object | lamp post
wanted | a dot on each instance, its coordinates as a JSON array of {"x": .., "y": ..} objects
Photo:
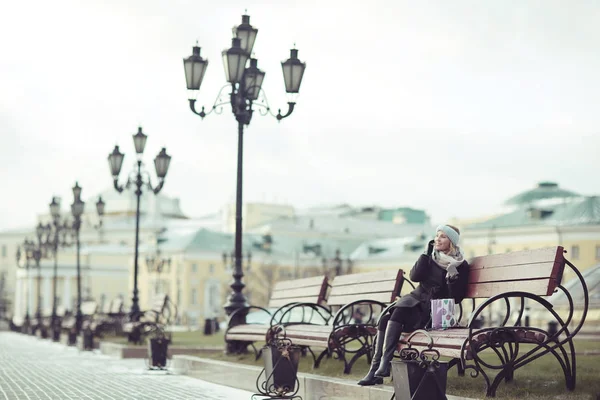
[
  {"x": 19, "y": 256},
  {"x": 245, "y": 81},
  {"x": 77, "y": 209},
  {"x": 33, "y": 251},
  {"x": 57, "y": 237},
  {"x": 100, "y": 210},
  {"x": 161, "y": 164}
]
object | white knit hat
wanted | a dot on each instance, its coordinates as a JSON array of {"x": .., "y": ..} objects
[{"x": 451, "y": 233}]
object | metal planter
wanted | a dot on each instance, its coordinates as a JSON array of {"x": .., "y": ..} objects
[
  {"x": 280, "y": 379},
  {"x": 418, "y": 375},
  {"x": 157, "y": 352}
]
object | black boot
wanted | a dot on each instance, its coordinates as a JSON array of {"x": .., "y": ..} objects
[
  {"x": 370, "y": 378},
  {"x": 392, "y": 334}
]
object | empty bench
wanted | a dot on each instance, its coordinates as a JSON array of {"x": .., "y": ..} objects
[
  {"x": 285, "y": 293},
  {"x": 510, "y": 283},
  {"x": 161, "y": 314},
  {"x": 347, "y": 325}
]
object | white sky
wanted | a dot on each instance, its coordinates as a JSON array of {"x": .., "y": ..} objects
[{"x": 447, "y": 106}]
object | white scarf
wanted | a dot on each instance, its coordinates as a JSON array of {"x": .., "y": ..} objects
[{"x": 449, "y": 262}]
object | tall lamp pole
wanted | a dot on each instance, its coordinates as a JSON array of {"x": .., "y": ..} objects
[
  {"x": 25, "y": 266},
  {"x": 77, "y": 209},
  {"x": 57, "y": 237},
  {"x": 140, "y": 178},
  {"x": 245, "y": 81}
]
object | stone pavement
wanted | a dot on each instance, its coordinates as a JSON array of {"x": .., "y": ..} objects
[{"x": 32, "y": 368}]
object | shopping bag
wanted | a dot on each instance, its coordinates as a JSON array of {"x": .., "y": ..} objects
[{"x": 442, "y": 314}]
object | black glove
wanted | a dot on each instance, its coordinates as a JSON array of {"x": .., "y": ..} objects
[{"x": 430, "y": 247}]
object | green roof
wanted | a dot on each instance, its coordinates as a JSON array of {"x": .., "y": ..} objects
[
  {"x": 411, "y": 215},
  {"x": 543, "y": 191},
  {"x": 581, "y": 211},
  {"x": 205, "y": 240}
]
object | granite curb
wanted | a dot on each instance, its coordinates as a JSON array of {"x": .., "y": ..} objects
[{"x": 312, "y": 387}]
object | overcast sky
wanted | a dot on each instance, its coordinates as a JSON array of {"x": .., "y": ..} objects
[{"x": 451, "y": 107}]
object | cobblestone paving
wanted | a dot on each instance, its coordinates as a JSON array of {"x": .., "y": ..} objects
[{"x": 32, "y": 368}]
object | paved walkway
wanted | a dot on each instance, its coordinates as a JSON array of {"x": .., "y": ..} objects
[{"x": 32, "y": 368}]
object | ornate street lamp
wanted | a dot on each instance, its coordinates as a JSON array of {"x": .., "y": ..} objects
[
  {"x": 161, "y": 164},
  {"x": 245, "y": 82},
  {"x": 77, "y": 209},
  {"x": 57, "y": 237},
  {"x": 33, "y": 251},
  {"x": 100, "y": 210},
  {"x": 57, "y": 233},
  {"x": 19, "y": 256}
]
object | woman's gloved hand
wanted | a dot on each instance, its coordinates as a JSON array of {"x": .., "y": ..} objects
[{"x": 430, "y": 247}]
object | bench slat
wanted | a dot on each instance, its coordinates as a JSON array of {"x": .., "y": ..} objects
[
  {"x": 523, "y": 257},
  {"x": 512, "y": 272},
  {"x": 377, "y": 276},
  {"x": 296, "y": 283},
  {"x": 276, "y": 303},
  {"x": 244, "y": 337},
  {"x": 366, "y": 288},
  {"x": 345, "y": 299},
  {"x": 538, "y": 287},
  {"x": 297, "y": 292}
]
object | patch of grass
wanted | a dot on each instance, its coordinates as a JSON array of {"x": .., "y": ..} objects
[
  {"x": 189, "y": 339},
  {"x": 541, "y": 379}
]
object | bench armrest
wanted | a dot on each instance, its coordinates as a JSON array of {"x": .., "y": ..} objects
[
  {"x": 505, "y": 296},
  {"x": 345, "y": 315},
  {"x": 244, "y": 310},
  {"x": 304, "y": 313}
]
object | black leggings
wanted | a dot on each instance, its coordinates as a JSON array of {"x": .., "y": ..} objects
[{"x": 403, "y": 315}]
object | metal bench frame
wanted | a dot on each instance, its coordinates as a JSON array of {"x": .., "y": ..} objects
[
  {"x": 163, "y": 313},
  {"x": 239, "y": 336},
  {"x": 336, "y": 329}
]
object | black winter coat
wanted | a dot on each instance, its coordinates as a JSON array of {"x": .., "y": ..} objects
[{"x": 432, "y": 285}]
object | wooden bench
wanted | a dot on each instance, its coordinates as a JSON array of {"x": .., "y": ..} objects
[
  {"x": 109, "y": 319},
  {"x": 158, "y": 317},
  {"x": 68, "y": 324},
  {"x": 348, "y": 323},
  {"x": 285, "y": 293},
  {"x": 509, "y": 282}
]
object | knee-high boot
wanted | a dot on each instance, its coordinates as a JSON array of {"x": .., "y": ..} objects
[
  {"x": 370, "y": 378},
  {"x": 392, "y": 334}
]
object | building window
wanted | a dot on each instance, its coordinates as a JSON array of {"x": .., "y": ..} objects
[
  {"x": 194, "y": 298},
  {"x": 211, "y": 268},
  {"x": 4, "y": 251},
  {"x": 194, "y": 268},
  {"x": 597, "y": 252},
  {"x": 575, "y": 252}
]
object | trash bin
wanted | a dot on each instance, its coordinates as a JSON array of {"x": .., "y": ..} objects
[
  {"x": 157, "y": 352},
  {"x": 281, "y": 369},
  {"x": 419, "y": 375},
  {"x": 88, "y": 339}
]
